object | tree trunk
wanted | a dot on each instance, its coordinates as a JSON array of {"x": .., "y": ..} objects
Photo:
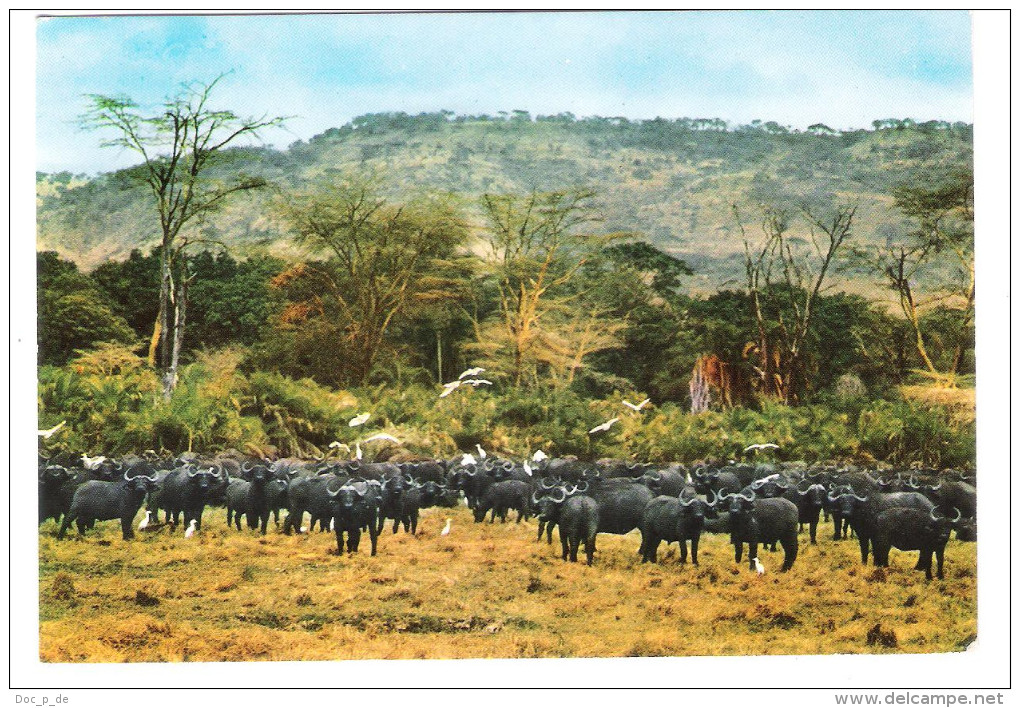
[{"x": 180, "y": 316}]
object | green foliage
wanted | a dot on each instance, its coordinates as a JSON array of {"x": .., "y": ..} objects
[
  {"x": 73, "y": 313},
  {"x": 110, "y": 401}
]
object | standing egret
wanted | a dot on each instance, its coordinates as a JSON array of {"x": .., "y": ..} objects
[
  {"x": 446, "y": 529},
  {"x": 145, "y": 522},
  {"x": 527, "y": 468},
  {"x": 481, "y": 452},
  {"x": 758, "y": 567},
  {"x": 359, "y": 419},
  {"x": 357, "y": 451},
  {"x": 192, "y": 527},
  {"x": 605, "y": 426}
]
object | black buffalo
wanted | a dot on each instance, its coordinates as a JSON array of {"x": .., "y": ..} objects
[
  {"x": 104, "y": 501},
  {"x": 913, "y": 530},
  {"x": 762, "y": 521},
  {"x": 669, "y": 519}
]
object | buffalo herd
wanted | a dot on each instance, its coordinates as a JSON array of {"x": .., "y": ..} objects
[{"x": 756, "y": 504}]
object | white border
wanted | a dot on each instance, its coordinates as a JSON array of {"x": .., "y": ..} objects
[{"x": 983, "y": 666}]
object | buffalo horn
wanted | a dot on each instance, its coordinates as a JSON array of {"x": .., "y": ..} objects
[
  {"x": 562, "y": 497},
  {"x": 578, "y": 489},
  {"x": 750, "y": 498}
]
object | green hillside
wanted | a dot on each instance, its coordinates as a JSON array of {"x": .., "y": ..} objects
[{"x": 675, "y": 181}]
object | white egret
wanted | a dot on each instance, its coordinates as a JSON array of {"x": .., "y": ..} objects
[
  {"x": 761, "y": 446},
  {"x": 477, "y": 382},
  {"x": 474, "y": 371},
  {"x": 145, "y": 522},
  {"x": 449, "y": 388},
  {"x": 468, "y": 459},
  {"x": 605, "y": 426},
  {"x": 192, "y": 527},
  {"x": 359, "y": 419},
  {"x": 758, "y": 567},
  {"x": 481, "y": 452},
  {"x": 539, "y": 456},
  {"x": 637, "y": 407},
  {"x": 337, "y": 445},
  {"x": 527, "y": 468},
  {"x": 382, "y": 436},
  {"x": 446, "y": 529},
  {"x": 357, "y": 451},
  {"x": 92, "y": 463},
  {"x": 51, "y": 431}
]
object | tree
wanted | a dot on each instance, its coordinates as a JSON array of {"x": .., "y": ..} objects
[
  {"x": 178, "y": 145},
  {"x": 73, "y": 313},
  {"x": 784, "y": 286},
  {"x": 932, "y": 265},
  {"x": 535, "y": 249},
  {"x": 380, "y": 258}
]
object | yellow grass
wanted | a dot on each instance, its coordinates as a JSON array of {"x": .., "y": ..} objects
[
  {"x": 960, "y": 402},
  {"x": 484, "y": 591}
]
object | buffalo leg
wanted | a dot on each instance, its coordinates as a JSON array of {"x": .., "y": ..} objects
[
  {"x": 752, "y": 553},
  {"x": 63, "y": 526},
  {"x": 589, "y": 548},
  {"x": 813, "y": 528},
  {"x": 738, "y": 551},
  {"x": 126, "y": 528},
  {"x": 864, "y": 550},
  {"x": 575, "y": 543},
  {"x": 566, "y": 545},
  {"x": 694, "y": 549},
  {"x": 353, "y": 540},
  {"x": 789, "y": 553},
  {"x": 939, "y": 557}
]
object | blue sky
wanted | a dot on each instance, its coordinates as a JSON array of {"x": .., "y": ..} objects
[{"x": 844, "y": 69}]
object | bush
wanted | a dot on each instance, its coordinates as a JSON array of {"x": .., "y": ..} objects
[{"x": 111, "y": 403}]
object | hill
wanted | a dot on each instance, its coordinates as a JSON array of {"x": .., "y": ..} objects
[{"x": 674, "y": 181}]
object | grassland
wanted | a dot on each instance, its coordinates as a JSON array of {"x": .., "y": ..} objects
[{"x": 484, "y": 591}]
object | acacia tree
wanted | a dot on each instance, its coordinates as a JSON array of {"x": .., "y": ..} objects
[
  {"x": 933, "y": 264},
  {"x": 381, "y": 258},
  {"x": 177, "y": 144},
  {"x": 783, "y": 286},
  {"x": 535, "y": 249}
]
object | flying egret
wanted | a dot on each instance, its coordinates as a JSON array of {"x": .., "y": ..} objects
[
  {"x": 481, "y": 452},
  {"x": 449, "y": 388},
  {"x": 758, "y": 567},
  {"x": 446, "y": 529},
  {"x": 637, "y": 407},
  {"x": 359, "y": 419},
  {"x": 539, "y": 456},
  {"x": 761, "y": 446},
  {"x": 468, "y": 459},
  {"x": 51, "y": 431},
  {"x": 145, "y": 522},
  {"x": 477, "y": 382},
  {"x": 382, "y": 436},
  {"x": 337, "y": 445},
  {"x": 473, "y": 371},
  {"x": 605, "y": 426},
  {"x": 192, "y": 527}
]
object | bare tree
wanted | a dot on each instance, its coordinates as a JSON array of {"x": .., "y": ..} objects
[
  {"x": 536, "y": 249},
  {"x": 784, "y": 285},
  {"x": 177, "y": 144}
]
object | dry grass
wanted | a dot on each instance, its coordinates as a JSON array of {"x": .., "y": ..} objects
[
  {"x": 960, "y": 402},
  {"x": 485, "y": 591}
]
